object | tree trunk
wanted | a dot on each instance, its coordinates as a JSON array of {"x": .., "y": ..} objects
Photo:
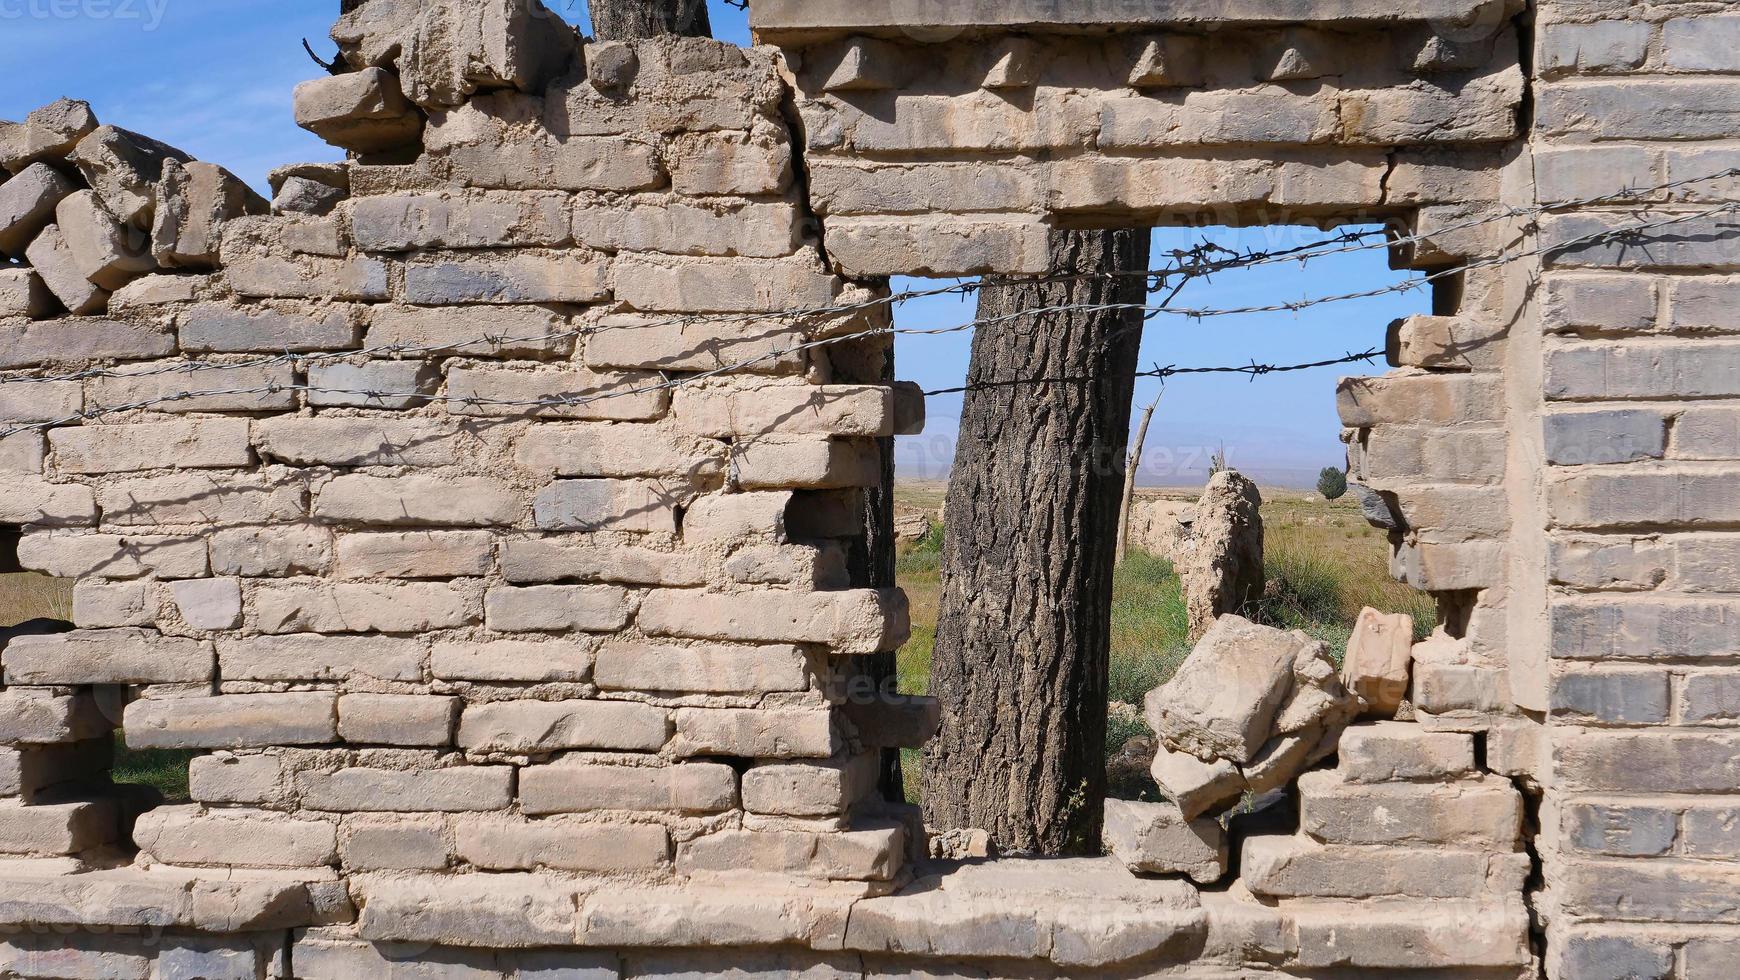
[
  {"x": 1020, "y": 663},
  {"x": 636, "y": 20},
  {"x": 1129, "y": 502}
]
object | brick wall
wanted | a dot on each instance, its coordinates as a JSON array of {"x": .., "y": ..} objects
[{"x": 483, "y": 513}]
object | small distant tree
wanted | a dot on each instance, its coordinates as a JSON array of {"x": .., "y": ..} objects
[{"x": 1332, "y": 483}]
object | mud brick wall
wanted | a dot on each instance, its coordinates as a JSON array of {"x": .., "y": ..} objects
[{"x": 486, "y": 513}]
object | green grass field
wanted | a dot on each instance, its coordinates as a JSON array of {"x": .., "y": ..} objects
[{"x": 1324, "y": 562}]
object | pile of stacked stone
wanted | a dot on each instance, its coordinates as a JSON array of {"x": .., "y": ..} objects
[
  {"x": 1248, "y": 710},
  {"x": 87, "y": 209},
  {"x": 1408, "y": 825}
]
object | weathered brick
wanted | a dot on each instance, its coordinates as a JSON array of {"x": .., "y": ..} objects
[
  {"x": 578, "y": 163},
  {"x": 520, "y": 277},
  {"x": 545, "y": 726},
  {"x": 511, "y": 660},
  {"x": 941, "y": 246},
  {"x": 359, "y": 441},
  {"x": 809, "y": 789},
  {"x": 607, "y": 505},
  {"x": 412, "y": 844},
  {"x": 786, "y": 409},
  {"x": 626, "y": 666},
  {"x": 1598, "y": 302},
  {"x": 42, "y": 717},
  {"x": 1600, "y": 957},
  {"x": 541, "y": 560},
  {"x": 183, "y": 835},
  {"x": 1711, "y": 831},
  {"x": 694, "y": 787},
  {"x": 675, "y": 227},
  {"x": 363, "y": 607},
  {"x": 1628, "y": 697},
  {"x": 397, "y": 719},
  {"x": 1711, "y": 959},
  {"x": 1668, "y": 369},
  {"x": 661, "y": 284},
  {"x": 636, "y": 341},
  {"x": 23, "y": 452},
  {"x": 507, "y": 844},
  {"x": 1620, "y": 830},
  {"x": 30, "y": 501},
  {"x": 779, "y": 462},
  {"x": 53, "y": 259},
  {"x": 252, "y": 388},
  {"x": 1601, "y": 628},
  {"x": 556, "y": 394},
  {"x": 458, "y": 789},
  {"x": 1701, "y": 43},
  {"x": 1658, "y": 496},
  {"x": 478, "y": 219},
  {"x": 1391, "y": 751},
  {"x": 850, "y": 622},
  {"x": 985, "y": 121},
  {"x": 867, "y": 855},
  {"x": 1674, "y": 891},
  {"x": 556, "y": 608},
  {"x": 1402, "y": 398},
  {"x": 373, "y": 384},
  {"x": 1605, "y": 240},
  {"x": 1641, "y": 109},
  {"x": 712, "y": 164},
  {"x": 1707, "y": 698},
  {"x": 1704, "y": 305},
  {"x": 1707, "y": 433},
  {"x": 27, "y": 203},
  {"x": 209, "y": 604},
  {"x": 230, "y": 778},
  {"x": 1485, "y": 811},
  {"x": 267, "y": 552},
  {"x": 75, "y": 340},
  {"x": 845, "y": 187},
  {"x": 56, "y": 828},
  {"x": 1653, "y": 762},
  {"x": 123, "y": 448},
  {"x": 121, "y": 656},
  {"x": 233, "y": 721},
  {"x": 320, "y": 658},
  {"x": 72, "y": 555},
  {"x": 455, "y": 501},
  {"x": 101, "y": 250},
  {"x": 1484, "y": 109},
  {"x": 415, "y": 554},
  {"x": 266, "y": 276},
  {"x": 1602, "y": 47},
  {"x": 756, "y": 734},
  {"x": 1622, "y": 436},
  {"x": 107, "y": 604},
  {"x": 225, "y": 329},
  {"x": 475, "y": 331},
  {"x": 202, "y": 500},
  {"x": 619, "y": 450}
]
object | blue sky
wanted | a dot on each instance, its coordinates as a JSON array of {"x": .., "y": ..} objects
[{"x": 214, "y": 77}]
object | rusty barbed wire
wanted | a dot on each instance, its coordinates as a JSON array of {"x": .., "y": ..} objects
[
  {"x": 1340, "y": 244},
  {"x": 1618, "y": 234}
]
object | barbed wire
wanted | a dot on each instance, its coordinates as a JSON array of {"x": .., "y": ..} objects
[
  {"x": 1200, "y": 265},
  {"x": 1253, "y": 369},
  {"x": 672, "y": 383}
]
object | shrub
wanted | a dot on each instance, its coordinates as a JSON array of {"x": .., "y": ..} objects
[{"x": 1332, "y": 483}]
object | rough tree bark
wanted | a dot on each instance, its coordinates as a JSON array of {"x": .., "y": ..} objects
[
  {"x": 1021, "y": 655},
  {"x": 637, "y": 20}
]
